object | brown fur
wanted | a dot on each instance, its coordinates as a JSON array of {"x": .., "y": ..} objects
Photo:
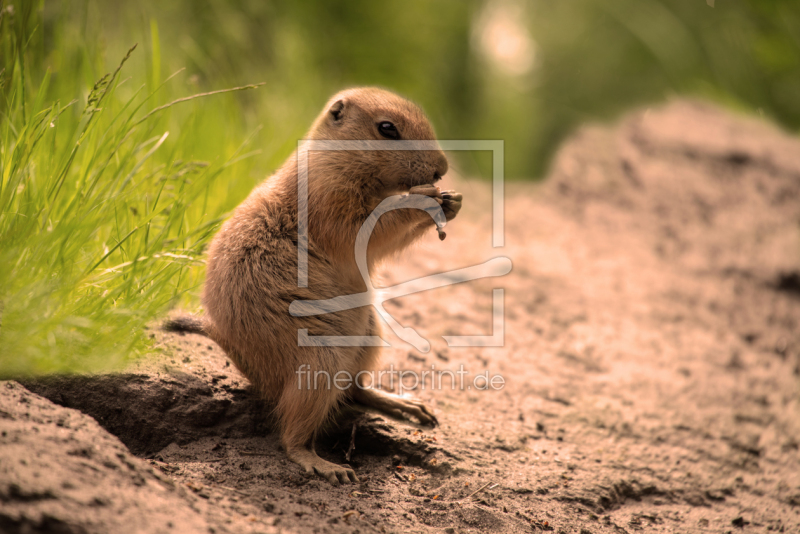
[{"x": 252, "y": 266}]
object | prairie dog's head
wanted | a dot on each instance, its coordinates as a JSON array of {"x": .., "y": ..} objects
[{"x": 372, "y": 114}]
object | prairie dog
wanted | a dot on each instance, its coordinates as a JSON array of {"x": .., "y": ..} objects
[{"x": 251, "y": 277}]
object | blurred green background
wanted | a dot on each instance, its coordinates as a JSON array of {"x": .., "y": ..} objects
[
  {"x": 524, "y": 71},
  {"x": 105, "y": 214}
]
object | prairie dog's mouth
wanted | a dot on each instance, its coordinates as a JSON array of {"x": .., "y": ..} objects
[{"x": 413, "y": 181}]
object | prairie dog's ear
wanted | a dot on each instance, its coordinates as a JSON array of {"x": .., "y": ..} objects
[{"x": 337, "y": 111}]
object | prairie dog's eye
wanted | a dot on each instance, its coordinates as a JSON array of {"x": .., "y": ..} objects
[{"x": 388, "y": 130}]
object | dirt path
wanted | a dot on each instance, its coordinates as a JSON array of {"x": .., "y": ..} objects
[{"x": 651, "y": 367}]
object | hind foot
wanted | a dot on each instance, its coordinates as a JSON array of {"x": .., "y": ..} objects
[
  {"x": 395, "y": 406},
  {"x": 313, "y": 464}
]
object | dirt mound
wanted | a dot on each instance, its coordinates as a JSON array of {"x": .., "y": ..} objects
[
  {"x": 713, "y": 191},
  {"x": 650, "y": 357},
  {"x": 171, "y": 407},
  {"x": 62, "y": 473}
]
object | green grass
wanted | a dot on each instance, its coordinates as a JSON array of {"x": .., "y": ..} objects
[{"x": 105, "y": 211}]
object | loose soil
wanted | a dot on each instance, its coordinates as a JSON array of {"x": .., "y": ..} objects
[{"x": 651, "y": 366}]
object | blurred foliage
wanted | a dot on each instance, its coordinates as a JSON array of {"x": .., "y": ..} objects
[
  {"x": 104, "y": 219},
  {"x": 599, "y": 58},
  {"x": 590, "y": 59}
]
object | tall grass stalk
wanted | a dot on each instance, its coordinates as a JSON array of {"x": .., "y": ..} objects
[{"x": 103, "y": 219}]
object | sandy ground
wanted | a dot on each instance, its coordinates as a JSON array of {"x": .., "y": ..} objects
[{"x": 651, "y": 367}]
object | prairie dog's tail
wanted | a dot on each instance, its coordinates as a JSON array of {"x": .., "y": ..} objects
[{"x": 186, "y": 323}]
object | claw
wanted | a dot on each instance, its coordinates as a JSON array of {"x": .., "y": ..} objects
[{"x": 451, "y": 204}]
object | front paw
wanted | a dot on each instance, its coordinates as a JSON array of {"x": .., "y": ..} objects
[
  {"x": 451, "y": 204},
  {"x": 427, "y": 190}
]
